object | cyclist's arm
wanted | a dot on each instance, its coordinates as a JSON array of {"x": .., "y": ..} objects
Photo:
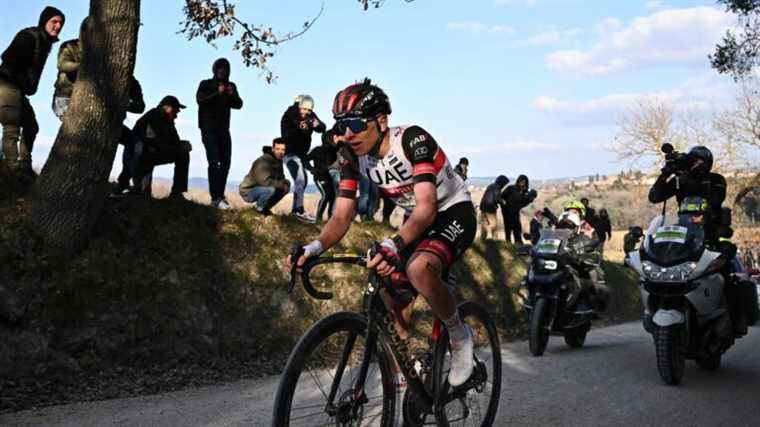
[
  {"x": 424, "y": 212},
  {"x": 339, "y": 223}
]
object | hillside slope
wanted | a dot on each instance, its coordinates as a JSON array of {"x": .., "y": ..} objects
[{"x": 172, "y": 293}]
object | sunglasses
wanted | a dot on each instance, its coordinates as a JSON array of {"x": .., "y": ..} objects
[{"x": 356, "y": 124}]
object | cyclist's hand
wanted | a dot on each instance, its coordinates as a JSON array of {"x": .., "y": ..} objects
[
  {"x": 311, "y": 250},
  {"x": 385, "y": 259}
]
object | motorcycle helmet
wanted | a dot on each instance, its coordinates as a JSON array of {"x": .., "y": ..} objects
[
  {"x": 700, "y": 160},
  {"x": 569, "y": 220},
  {"x": 580, "y": 207}
]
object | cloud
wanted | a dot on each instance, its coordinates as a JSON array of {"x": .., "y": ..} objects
[
  {"x": 664, "y": 37},
  {"x": 705, "y": 92},
  {"x": 550, "y": 37},
  {"x": 477, "y": 27},
  {"x": 654, "y": 5}
]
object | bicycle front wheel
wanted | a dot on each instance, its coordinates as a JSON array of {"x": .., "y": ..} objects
[
  {"x": 319, "y": 384},
  {"x": 478, "y": 403}
]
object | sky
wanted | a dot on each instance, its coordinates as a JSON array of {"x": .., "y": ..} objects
[{"x": 530, "y": 87}]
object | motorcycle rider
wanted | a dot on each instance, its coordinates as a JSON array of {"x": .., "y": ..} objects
[
  {"x": 407, "y": 165},
  {"x": 691, "y": 175},
  {"x": 586, "y": 243}
]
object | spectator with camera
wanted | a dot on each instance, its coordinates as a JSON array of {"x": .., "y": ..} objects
[
  {"x": 297, "y": 125},
  {"x": 160, "y": 144},
  {"x": 513, "y": 199}
]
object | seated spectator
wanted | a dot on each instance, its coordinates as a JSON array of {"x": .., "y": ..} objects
[
  {"x": 318, "y": 161},
  {"x": 461, "y": 168},
  {"x": 265, "y": 184},
  {"x": 160, "y": 145}
]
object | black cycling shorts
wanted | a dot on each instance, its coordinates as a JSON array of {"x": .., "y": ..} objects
[{"x": 450, "y": 235}]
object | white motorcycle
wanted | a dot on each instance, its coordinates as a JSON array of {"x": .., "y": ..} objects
[{"x": 682, "y": 290}]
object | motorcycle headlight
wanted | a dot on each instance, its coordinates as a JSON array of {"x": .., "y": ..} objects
[{"x": 677, "y": 273}]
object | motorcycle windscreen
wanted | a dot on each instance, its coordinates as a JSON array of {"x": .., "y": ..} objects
[
  {"x": 551, "y": 242},
  {"x": 671, "y": 240}
]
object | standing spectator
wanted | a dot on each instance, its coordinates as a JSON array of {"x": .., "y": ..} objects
[
  {"x": 20, "y": 71},
  {"x": 590, "y": 212},
  {"x": 129, "y": 158},
  {"x": 368, "y": 199},
  {"x": 536, "y": 224},
  {"x": 296, "y": 127},
  {"x": 161, "y": 145},
  {"x": 328, "y": 138},
  {"x": 488, "y": 205},
  {"x": 69, "y": 58},
  {"x": 216, "y": 97},
  {"x": 318, "y": 162},
  {"x": 603, "y": 228},
  {"x": 461, "y": 168},
  {"x": 631, "y": 240},
  {"x": 265, "y": 184},
  {"x": 513, "y": 199}
]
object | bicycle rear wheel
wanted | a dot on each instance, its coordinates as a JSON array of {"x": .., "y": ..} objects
[
  {"x": 327, "y": 361},
  {"x": 478, "y": 405}
]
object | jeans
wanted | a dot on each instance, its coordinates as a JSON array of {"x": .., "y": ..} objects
[
  {"x": 19, "y": 124},
  {"x": 368, "y": 197},
  {"x": 218, "y": 144},
  {"x": 298, "y": 173},
  {"x": 60, "y": 106},
  {"x": 512, "y": 226},
  {"x": 264, "y": 197}
]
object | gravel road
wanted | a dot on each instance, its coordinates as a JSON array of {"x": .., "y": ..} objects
[{"x": 611, "y": 381}]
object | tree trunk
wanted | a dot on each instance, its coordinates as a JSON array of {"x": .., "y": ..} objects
[{"x": 71, "y": 190}]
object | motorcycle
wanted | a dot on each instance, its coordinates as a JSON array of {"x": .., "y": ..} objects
[
  {"x": 556, "y": 303},
  {"x": 682, "y": 290}
]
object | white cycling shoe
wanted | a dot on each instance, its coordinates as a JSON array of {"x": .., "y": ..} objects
[{"x": 462, "y": 361}]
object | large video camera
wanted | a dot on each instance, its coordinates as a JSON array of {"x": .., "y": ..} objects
[{"x": 675, "y": 162}]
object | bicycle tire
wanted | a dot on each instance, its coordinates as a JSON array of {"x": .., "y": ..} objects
[
  {"x": 469, "y": 310},
  {"x": 320, "y": 332}
]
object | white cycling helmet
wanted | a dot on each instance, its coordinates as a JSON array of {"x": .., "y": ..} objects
[{"x": 569, "y": 219}]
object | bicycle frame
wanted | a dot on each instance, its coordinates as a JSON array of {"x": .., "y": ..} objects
[{"x": 380, "y": 323}]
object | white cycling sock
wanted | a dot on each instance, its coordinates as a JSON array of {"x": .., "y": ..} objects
[{"x": 457, "y": 332}]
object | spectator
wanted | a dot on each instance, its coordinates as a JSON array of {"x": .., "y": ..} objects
[
  {"x": 128, "y": 158},
  {"x": 296, "y": 126},
  {"x": 513, "y": 199},
  {"x": 631, "y": 240},
  {"x": 69, "y": 58},
  {"x": 536, "y": 226},
  {"x": 388, "y": 207},
  {"x": 20, "y": 71},
  {"x": 160, "y": 144},
  {"x": 265, "y": 184},
  {"x": 368, "y": 199},
  {"x": 318, "y": 162},
  {"x": 603, "y": 229},
  {"x": 216, "y": 97},
  {"x": 590, "y": 212},
  {"x": 488, "y": 205},
  {"x": 461, "y": 168}
]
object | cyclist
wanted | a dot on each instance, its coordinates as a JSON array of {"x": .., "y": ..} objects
[{"x": 410, "y": 168}]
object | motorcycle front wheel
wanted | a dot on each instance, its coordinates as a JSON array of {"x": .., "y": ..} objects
[
  {"x": 671, "y": 358},
  {"x": 539, "y": 330}
]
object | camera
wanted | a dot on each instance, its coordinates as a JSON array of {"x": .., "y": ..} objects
[{"x": 675, "y": 162}]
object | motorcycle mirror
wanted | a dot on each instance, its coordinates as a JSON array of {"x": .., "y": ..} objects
[{"x": 666, "y": 148}]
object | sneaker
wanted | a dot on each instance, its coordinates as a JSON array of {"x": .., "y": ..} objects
[
  {"x": 461, "y": 360},
  {"x": 305, "y": 216},
  {"x": 220, "y": 204}
]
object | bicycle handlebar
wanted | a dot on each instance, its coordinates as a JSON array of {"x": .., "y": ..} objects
[{"x": 297, "y": 251}]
